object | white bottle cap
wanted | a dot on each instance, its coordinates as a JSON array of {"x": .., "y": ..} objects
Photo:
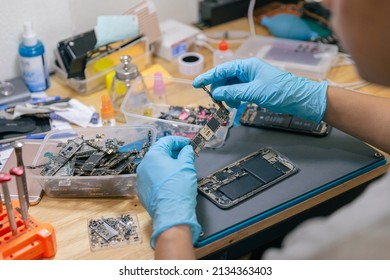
[{"x": 29, "y": 36}]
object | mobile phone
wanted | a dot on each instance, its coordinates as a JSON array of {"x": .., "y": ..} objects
[
  {"x": 263, "y": 118},
  {"x": 246, "y": 177}
]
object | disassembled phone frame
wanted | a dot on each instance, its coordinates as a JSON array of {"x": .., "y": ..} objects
[{"x": 246, "y": 177}]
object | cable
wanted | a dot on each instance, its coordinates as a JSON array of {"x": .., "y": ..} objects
[
  {"x": 201, "y": 42},
  {"x": 251, "y": 9},
  {"x": 352, "y": 85}
]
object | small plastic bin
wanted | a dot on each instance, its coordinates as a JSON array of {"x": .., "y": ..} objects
[
  {"x": 307, "y": 59},
  {"x": 90, "y": 186},
  {"x": 96, "y": 71},
  {"x": 143, "y": 105}
]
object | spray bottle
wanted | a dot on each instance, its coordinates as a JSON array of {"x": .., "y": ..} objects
[{"x": 32, "y": 61}]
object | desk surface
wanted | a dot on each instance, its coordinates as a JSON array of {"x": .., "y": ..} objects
[
  {"x": 323, "y": 162},
  {"x": 69, "y": 216}
]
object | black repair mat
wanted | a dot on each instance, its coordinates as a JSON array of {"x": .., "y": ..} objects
[
  {"x": 22, "y": 126},
  {"x": 322, "y": 161}
]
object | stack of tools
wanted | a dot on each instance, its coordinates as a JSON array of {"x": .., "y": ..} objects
[{"x": 21, "y": 236}]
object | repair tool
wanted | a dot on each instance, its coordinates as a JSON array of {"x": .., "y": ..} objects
[
  {"x": 23, "y": 200},
  {"x": 219, "y": 103},
  {"x": 18, "y": 146},
  {"x": 4, "y": 178},
  {"x": 1, "y": 206},
  {"x": 21, "y": 236}
]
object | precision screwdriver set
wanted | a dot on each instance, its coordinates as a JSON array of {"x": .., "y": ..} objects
[{"x": 22, "y": 237}]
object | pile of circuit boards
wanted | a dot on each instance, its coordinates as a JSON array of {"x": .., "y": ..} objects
[
  {"x": 94, "y": 157},
  {"x": 191, "y": 115}
]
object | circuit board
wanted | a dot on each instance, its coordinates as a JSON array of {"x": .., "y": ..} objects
[
  {"x": 107, "y": 232},
  {"x": 210, "y": 128},
  {"x": 246, "y": 177},
  {"x": 260, "y": 117}
]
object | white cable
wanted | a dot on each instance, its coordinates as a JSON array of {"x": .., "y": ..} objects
[
  {"x": 201, "y": 43},
  {"x": 205, "y": 38},
  {"x": 251, "y": 9},
  {"x": 352, "y": 85}
]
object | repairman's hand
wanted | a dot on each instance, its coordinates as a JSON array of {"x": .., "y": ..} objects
[
  {"x": 256, "y": 81},
  {"x": 167, "y": 185}
]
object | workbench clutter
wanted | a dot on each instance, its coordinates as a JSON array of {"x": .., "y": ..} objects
[
  {"x": 33, "y": 119},
  {"x": 175, "y": 107},
  {"x": 84, "y": 60}
]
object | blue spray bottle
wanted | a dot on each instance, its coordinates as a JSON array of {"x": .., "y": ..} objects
[{"x": 32, "y": 61}]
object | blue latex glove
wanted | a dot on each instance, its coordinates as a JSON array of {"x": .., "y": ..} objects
[
  {"x": 289, "y": 27},
  {"x": 167, "y": 185},
  {"x": 256, "y": 81}
]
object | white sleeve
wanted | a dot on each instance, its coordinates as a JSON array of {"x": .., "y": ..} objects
[{"x": 359, "y": 230}]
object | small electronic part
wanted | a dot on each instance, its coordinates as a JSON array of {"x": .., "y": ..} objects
[
  {"x": 92, "y": 161},
  {"x": 260, "y": 117},
  {"x": 246, "y": 177},
  {"x": 210, "y": 128},
  {"x": 107, "y": 232}
]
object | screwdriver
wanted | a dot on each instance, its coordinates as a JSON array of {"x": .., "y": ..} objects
[
  {"x": 18, "y": 173},
  {"x": 17, "y": 145},
  {"x": 4, "y": 178}
]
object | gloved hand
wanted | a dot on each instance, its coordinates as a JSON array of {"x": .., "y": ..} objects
[
  {"x": 256, "y": 81},
  {"x": 167, "y": 185}
]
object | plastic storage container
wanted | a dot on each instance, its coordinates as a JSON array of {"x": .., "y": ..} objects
[
  {"x": 308, "y": 59},
  {"x": 142, "y": 106},
  {"x": 139, "y": 52},
  {"x": 90, "y": 186}
]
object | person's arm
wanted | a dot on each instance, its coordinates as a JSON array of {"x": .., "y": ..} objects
[
  {"x": 364, "y": 116},
  {"x": 175, "y": 244},
  {"x": 252, "y": 80},
  {"x": 167, "y": 188}
]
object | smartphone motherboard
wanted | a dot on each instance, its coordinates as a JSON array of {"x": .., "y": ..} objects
[
  {"x": 246, "y": 177},
  {"x": 260, "y": 117}
]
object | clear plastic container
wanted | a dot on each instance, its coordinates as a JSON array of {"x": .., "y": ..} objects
[
  {"x": 144, "y": 106},
  {"x": 89, "y": 186},
  {"x": 139, "y": 52},
  {"x": 307, "y": 59}
]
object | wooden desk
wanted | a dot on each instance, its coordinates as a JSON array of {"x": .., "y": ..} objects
[{"x": 69, "y": 216}]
